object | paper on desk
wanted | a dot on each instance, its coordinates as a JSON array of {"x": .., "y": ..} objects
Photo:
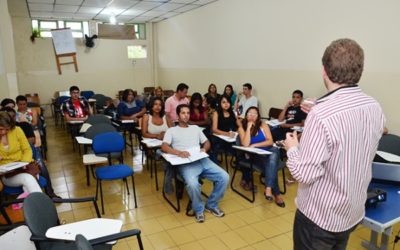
[
  {"x": 11, "y": 166},
  {"x": 195, "y": 155},
  {"x": 275, "y": 122},
  {"x": 227, "y": 138},
  {"x": 298, "y": 129},
  {"x": 85, "y": 127},
  {"x": 152, "y": 143},
  {"x": 253, "y": 150},
  {"x": 388, "y": 156},
  {"x": 83, "y": 140}
]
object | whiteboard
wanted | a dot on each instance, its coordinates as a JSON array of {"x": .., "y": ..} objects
[{"x": 63, "y": 41}]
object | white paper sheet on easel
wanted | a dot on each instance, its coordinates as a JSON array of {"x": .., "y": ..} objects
[{"x": 63, "y": 41}]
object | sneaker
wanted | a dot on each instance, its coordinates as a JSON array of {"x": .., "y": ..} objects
[
  {"x": 200, "y": 217},
  {"x": 215, "y": 211}
]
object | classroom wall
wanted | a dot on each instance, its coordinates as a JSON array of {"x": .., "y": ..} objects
[
  {"x": 104, "y": 69},
  {"x": 277, "y": 46},
  {"x": 8, "y": 80}
]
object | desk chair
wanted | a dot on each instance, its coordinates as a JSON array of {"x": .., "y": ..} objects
[
  {"x": 87, "y": 94},
  {"x": 241, "y": 162},
  {"x": 83, "y": 244},
  {"x": 41, "y": 214},
  {"x": 57, "y": 105},
  {"x": 100, "y": 102},
  {"x": 179, "y": 189},
  {"x": 390, "y": 143},
  {"x": 98, "y": 119},
  {"x": 107, "y": 143},
  {"x": 273, "y": 113}
]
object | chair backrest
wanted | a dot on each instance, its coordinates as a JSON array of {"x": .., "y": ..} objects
[
  {"x": 40, "y": 213},
  {"x": 390, "y": 143},
  {"x": 98, "y": 129},
  {"x": 110, "y": 142},
  {"x": 97, "y": 119},
  {"x": 82, "y": 243},
  {"x": 273, "y": 113},
  {"x": 87, "y": 94},
  {"x": 100, "y": 100},
  {"x": 60, "y": 100}
]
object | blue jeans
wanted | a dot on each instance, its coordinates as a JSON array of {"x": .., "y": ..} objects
[
  {"x": 207, "y": 169},
  {"x": 269, "y": 166}
]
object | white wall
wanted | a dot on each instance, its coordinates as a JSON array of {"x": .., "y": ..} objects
[{"x": 278, "y": 45}]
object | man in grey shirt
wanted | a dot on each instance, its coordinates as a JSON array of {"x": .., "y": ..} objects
[{"x": 177, "y": 140}]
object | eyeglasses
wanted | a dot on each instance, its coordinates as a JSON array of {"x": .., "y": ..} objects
[{"x": 75, "y": 92}]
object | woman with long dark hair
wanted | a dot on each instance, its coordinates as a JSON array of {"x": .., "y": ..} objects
[
  {"x": 255, "y": 133},
  {"x": 228, "y": 91},
  {"x": 198, "y": 113}
]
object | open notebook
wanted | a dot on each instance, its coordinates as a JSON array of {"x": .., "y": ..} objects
[
  {"x": 11, "y": 166},
  {"x": 195, "y": 155}
]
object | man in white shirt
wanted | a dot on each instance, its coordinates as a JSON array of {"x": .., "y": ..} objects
[
  {"x": 245, "y": 100},
  {"x": 177, "y": 140}
]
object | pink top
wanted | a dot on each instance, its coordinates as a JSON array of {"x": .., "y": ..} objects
[
  {"x": 170, "y": 106},
  {"x": 333, "y": 161}
]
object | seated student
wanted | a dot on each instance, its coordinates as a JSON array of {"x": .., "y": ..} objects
[
  {"x": 77, "y": 107},
  {"x": 15, "y": 147},
  {"x": 255, "y": 133},
  {"x": 212, "y": 96},
  {"x": 293, "y": 115},
  {"x": 198, "y": 113},
  {"x": 7, "y": 102},
  {"x": 228, "y": 91},
  {"x": 29, "y": 134},
  {"x": 130, "y": 108},
  {"x": 158, "y": 92},
  {"x": 180, "y": 97},
  {"x": 223, "y": 123},
  {"x": 155, "y": 123},
  {"x": 176, "y": 141},
  {"x": 245, "y": 100},
  {"x": 28, "y": 115}
]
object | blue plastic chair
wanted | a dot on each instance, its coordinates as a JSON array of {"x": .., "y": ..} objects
[
  {"x": 108, "y": 143},
  {"x": 87, "y": 94}
]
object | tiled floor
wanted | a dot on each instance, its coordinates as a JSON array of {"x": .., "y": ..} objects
[{"x": 258, "y": 225}]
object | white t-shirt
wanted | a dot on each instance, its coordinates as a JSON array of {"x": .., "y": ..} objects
[
  {"x": 247, "y": 103},
  {"x": 183, "y": 138}
]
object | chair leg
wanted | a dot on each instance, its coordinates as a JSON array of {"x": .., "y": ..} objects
[
  {"x": 97, "y": 189},
  {"x": 237, "y": 191},
  {"x": 126, "y": 184},
  {"x": 134, "y": 190},
  {"x": 140, "y": 242},
  {"x": 101, "y": 197},
  {"x": 284, "y": 181},
  {"x": 177, "y": 207},
  {"x": 87, "y": 175},
  {"x": 226, "y": 162},
  {"x": 96, "y": 207},
  {"x": 154, "y": 164}
]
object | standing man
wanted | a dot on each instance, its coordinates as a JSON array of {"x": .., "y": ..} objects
[
  {"x": 245, "y": 100},
  {"x": 180, "y": 97},
  {"x": 76, "y": 108},
  {"x": 333, "y": 161},
  {"x": 177, "y": 140},
  {"x": 293, "y": 115}
]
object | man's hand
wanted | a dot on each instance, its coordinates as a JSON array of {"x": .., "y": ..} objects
[
  {"x": 184, "y": 154},
  {"x": 291, "y": 140}
]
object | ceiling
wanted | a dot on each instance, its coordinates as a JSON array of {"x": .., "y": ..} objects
[{"x": 125, "y": 11}]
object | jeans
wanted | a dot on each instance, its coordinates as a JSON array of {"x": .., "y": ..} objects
[
  {"x": 269, "y": 166},
  {"x": 309, "y": 236},
  {"x": 207, "y": 169}
]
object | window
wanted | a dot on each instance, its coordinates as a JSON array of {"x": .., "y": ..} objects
[
  {"x": 135, "y": 31},
  {"x": 79, "y": 28},
  {"x": 137, "y": 52}
]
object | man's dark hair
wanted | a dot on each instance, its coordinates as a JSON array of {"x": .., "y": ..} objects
[
  {"x": 181, "y": 106},
  {"x": 7, "y": 101},
  {"x": 181, "y": 87},
  {"x": 248, "y": 85},
  {"x": 21, "y": 98},
  {"x": 73, "y": 88},
  {"x": 151, "y": 104},
  {"x": 298, "y": 91},
  {"x": 343, "y": 61}
]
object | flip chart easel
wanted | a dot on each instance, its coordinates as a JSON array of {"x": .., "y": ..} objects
[{"x": 64, "y": 46}]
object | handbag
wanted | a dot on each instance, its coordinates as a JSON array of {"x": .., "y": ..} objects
[{"x": 32, "y": 168}]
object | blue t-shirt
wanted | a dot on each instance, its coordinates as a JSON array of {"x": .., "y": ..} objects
[{"x": 128, "y": 109}]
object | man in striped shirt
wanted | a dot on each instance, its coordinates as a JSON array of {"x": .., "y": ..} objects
[{"x": 332, "y": 163}]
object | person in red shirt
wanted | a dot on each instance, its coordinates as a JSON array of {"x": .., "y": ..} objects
[{"x": 77, "y": 107}]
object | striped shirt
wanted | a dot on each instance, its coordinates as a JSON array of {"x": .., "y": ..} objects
[{"x": 333, "y": 160}]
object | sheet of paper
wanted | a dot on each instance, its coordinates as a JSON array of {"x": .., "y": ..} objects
[
  {"x": 388, "y": 156},
  {"x": 83, "y": 140},
  {"x": 11, "y": 166},
  {"x": 227, "y": 138},
  {"x": 253, "y": 150},
  {"x": 152, "y": 143},
  {"x": 195, "y": 155}
]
